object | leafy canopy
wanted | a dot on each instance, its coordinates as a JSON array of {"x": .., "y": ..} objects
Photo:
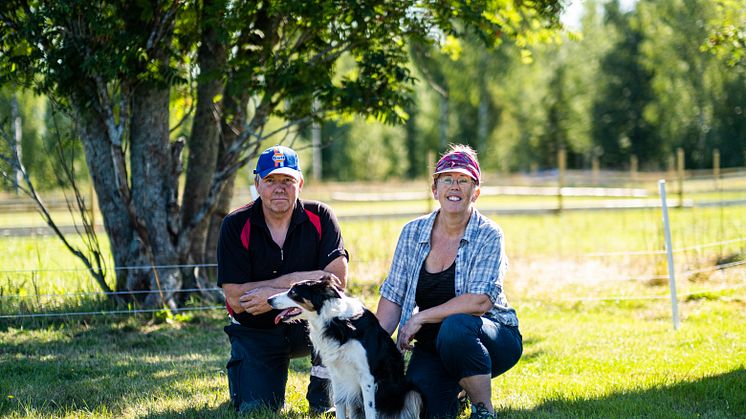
[{"x": 278, "y": 50}]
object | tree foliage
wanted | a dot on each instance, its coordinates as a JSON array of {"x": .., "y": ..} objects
[
  {"x": 630, "y": 82},
  {"x": 250, "y": 70},
  {"x": 727, "y": 38}
]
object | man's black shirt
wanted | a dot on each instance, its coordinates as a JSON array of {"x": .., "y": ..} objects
[{"x": 303, "y": 249}]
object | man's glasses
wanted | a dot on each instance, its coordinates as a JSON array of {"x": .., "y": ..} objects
[{"x": 449, "y": 181}]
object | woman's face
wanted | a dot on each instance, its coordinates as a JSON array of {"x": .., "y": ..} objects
[{"x": 455, "y": 192}]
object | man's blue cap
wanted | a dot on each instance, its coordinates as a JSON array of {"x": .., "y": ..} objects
[{"x": 278, "y": 159}]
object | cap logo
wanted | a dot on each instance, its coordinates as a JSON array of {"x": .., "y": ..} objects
[{"x": 278, "y": 158}]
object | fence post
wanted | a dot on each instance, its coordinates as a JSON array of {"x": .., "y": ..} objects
[
  {"x": 671, "y": 166},
  {"x": 595, "y": 170},
  {"x": 680, "y": 174},
  {"x": 669, "y": 254},
  {"x": 561, "y": 165},
  {"x": 633, "y": 167},
  {"x": 716, "y": 167}
]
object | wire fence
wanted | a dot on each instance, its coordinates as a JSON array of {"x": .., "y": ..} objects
[
  {"x": 649, "y": 297},
  {"x": 108, "y": 312},
  {"x": 663, "y": 252},
  {"x": 117, "y": 268},
  {"x": 102, "y": 293},
  {"x": 214, "y": 265},
  {"x": 48, "y": 297}
]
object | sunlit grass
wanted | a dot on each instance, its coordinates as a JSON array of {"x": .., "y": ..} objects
[{"x": 592, "y": 359}]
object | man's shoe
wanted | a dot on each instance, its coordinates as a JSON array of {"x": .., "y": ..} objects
[{"x": 479, "y": 411}]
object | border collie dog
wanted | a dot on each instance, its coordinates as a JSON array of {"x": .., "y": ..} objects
[{"x": 366, "y": 369}]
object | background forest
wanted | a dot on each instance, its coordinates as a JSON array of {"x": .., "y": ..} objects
[
  {"x": 625, "y": 82},
  {"x": 626, "y": 79}
]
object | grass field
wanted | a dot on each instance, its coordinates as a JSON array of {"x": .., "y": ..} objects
[{"x": 597, "y": 327}]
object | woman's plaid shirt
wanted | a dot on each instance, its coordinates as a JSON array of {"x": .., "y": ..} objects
[{"x": 481, "y": 264}]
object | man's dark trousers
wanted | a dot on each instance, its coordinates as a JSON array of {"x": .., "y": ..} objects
[{"x": 258, "y": 367}]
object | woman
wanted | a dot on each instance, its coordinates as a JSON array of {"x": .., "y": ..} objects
[{"x": 450, "y": 264}]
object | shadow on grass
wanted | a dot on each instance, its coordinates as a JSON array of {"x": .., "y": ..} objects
[
  {"x": 115, "y": 366},
  {"x": 719, "y": 396},
  {"x": 102, "y": 368},
  {"x": 226, "y": 411}
]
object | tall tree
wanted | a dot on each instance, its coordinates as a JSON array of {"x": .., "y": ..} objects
[
  {"x": 113, "y": 65},
  {"x": 696, "y": 95},
  {"x": 619, "y": 123}
]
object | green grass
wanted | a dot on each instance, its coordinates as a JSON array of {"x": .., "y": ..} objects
[
  {"x": 620, "y": 360},
  {"x": 594, "y": 347},
  {"x": 605, "y": 359}
]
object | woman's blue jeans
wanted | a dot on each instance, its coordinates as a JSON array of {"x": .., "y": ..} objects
[{"x": 466, "y": 345}]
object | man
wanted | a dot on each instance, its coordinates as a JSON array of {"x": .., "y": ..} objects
[{"x": 264, "y": 248}]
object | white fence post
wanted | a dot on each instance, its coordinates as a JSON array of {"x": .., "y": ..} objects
[{"x": 669, "y": 253}]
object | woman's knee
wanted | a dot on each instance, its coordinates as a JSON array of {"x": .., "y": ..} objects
[
  {"x": 456, "y": 330},
  {"x": 507, "y": 352}
]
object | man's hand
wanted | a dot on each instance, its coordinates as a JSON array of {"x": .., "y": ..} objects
[{"x": 255, "y": 301}]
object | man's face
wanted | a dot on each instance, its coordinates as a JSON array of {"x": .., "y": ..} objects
[{"x": 279, "y": 193}]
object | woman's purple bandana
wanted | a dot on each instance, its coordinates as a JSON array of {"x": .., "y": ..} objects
[{"x": 458, "y": 160}]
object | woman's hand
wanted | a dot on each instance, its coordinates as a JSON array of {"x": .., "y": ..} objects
[{"x": 406, "y": 333}]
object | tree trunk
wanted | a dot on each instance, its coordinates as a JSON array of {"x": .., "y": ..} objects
[
  {"x": 204, "y": 140},
  {"x": 484, "y": 102},
  {"x": 150, "y": 160},
  {"x": 205, "y": 137},
  {"x": 123, "y": 241},
  {"x": 417, "y": 165},
  {"x": 222, "y": 209},
  {"x": 443, "y": 123},
  {"x": 235, "y": 113}
]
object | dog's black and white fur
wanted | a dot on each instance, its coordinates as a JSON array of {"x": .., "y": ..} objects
[{"x": 366, "y": 369}]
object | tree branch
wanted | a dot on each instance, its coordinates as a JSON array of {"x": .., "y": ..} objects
[
  {"x": 162, "y": 27},
  {"x": 96, "y": 267}
]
